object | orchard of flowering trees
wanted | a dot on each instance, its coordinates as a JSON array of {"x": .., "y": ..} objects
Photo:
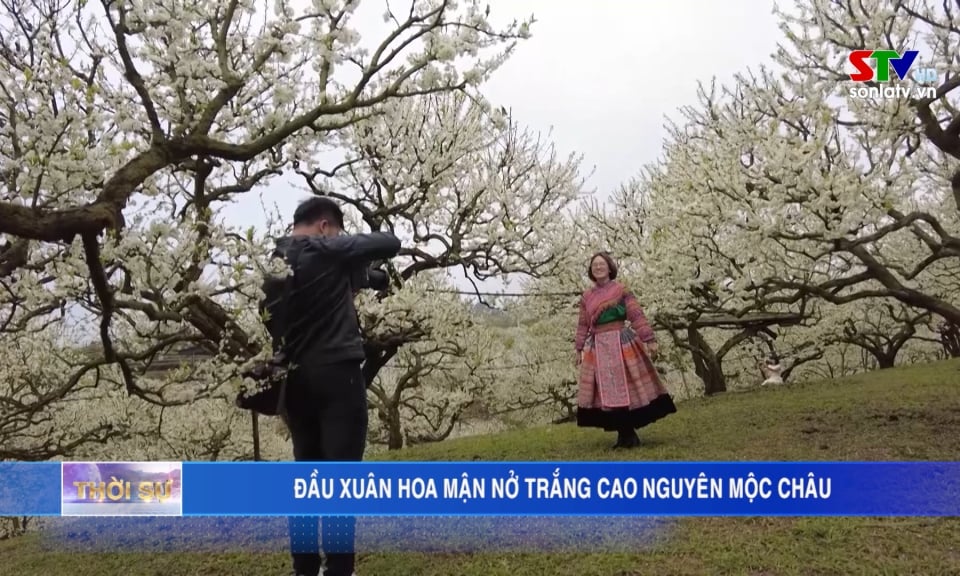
[
  {"x": 127, "y": 127},
  {"x": 784, "y": 194},
  {"x": 783, "y": 217}
]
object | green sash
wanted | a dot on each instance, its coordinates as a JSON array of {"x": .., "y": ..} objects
[{"x": 616, "y": 313}]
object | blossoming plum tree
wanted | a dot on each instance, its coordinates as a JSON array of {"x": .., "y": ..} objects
[
  {"x": 467, "y": 189},
  {"x": 421, "y": 393},
  {"x": 830, "y": 191},
  {"x": 537, "y": 359},
  {"x": 125, "y": 128},
  {"x": 782, "y": 187}
]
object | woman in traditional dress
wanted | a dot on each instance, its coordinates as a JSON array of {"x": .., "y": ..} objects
[
  {"x": 771, "y": 371},
  {"x": 619, "y": 386}
]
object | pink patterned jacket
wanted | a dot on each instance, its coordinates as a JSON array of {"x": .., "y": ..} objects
[{"x": 599, "y": 298}]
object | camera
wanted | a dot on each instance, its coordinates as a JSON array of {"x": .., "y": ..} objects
[
  {"x": 377, "y": 279},
  {"x": 371, "y": 278}
]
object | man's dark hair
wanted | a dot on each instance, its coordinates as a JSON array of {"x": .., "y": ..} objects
[{"x": 318, "y": 208}]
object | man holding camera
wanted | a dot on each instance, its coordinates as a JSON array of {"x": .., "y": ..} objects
[{"x": 325, "y": 396}]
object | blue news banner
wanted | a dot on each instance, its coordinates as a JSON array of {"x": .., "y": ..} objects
[{"x": 541, "y": 489}]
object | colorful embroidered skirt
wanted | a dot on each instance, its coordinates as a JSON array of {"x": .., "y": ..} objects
[{"x": 619, "y": 386}]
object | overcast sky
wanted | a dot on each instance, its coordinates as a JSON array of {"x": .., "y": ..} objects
[{"x": 602, "y": 75}]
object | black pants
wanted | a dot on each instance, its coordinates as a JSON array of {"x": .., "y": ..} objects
[{"x": 327, "y": 416}]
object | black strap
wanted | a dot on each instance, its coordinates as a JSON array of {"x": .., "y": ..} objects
[{"x": 286, "y": 295}]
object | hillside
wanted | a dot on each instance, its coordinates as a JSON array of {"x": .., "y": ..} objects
[{"x": 908, "y": 413}]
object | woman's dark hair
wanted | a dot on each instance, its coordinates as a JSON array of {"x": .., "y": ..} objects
[{"x": 610, "y": 264}]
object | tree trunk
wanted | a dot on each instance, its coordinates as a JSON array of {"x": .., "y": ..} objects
[
  {"x": 885, "y": 356},
  {"x": 714, "y": 382},
  {"x": 388, "y": 413},
  {"x": 394, "y": 430},
  {"x": 950, "y": 338},
  {"x": 377, "y": 356},
  {"x": 707, "y": 364},
  {"x": 885, "y": 359},
  {"x": 888, "y": 354},
  {"x": 255, "y": 420}
]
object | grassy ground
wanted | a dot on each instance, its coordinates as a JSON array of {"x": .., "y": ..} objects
[{"x": 901, "y": 414}]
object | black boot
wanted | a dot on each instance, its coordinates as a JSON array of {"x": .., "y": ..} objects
[
  {"x": 630, "y": 439},
  {"x": 621, "y": 440},
  {"x": 627, "y": 438},
  {"x": 340, "y": 565}
]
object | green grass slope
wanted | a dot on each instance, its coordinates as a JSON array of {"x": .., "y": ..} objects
[{"x": 910, "y": 413}]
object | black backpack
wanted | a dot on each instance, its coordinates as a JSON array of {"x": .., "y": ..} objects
[{"x": 271, "y": 374}]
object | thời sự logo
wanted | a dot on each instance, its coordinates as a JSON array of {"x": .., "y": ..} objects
[{"x": 121, "y": 488}]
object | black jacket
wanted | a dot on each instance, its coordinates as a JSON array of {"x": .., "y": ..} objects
[{"x": 321, "y": 318}]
